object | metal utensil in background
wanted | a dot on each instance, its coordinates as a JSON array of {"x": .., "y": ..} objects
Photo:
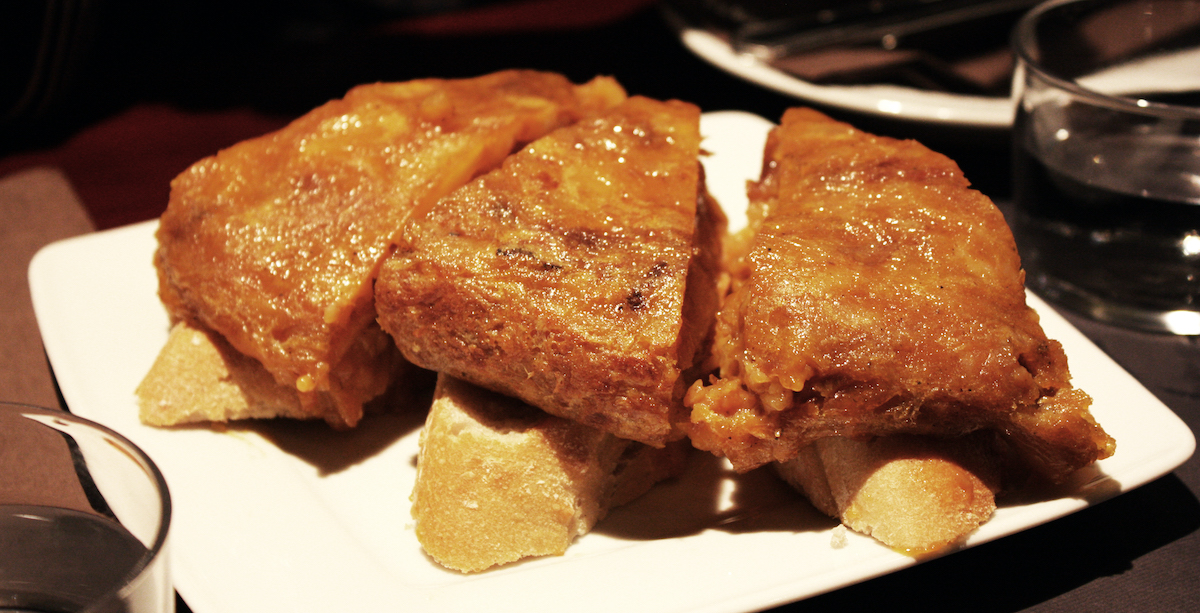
[{"x": 958, "y": 46}]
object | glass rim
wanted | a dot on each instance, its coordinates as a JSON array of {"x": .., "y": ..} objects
[
  {"x": 1022, "y": 40},
  {"x": 156, "y": 549}
]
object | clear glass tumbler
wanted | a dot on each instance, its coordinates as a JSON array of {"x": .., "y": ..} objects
[
  {"x": 84, "y": 516},
  {"x": 1106, "y": 167}
]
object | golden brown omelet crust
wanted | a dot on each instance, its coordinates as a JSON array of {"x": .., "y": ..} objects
[
  {"x": 274, "y": 242},
  {"x": 877, "y": 294},
  {"x": 579, "y": 277}
]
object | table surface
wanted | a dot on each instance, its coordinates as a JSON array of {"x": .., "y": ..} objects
[{"x": 186, "y": 84}]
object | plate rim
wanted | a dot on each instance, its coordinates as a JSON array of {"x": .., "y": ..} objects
[{"x": 892, "y": 101}]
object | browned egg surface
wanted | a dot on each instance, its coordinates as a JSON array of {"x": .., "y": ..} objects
[
  {"x": 274, "y": 242},
  {"x": 878, "y": 294},
  {"x": 561, "y": 277}
]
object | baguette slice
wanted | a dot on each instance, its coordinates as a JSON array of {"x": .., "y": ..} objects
[
  {"x": 917, "y": 495},
  {"x": 499, "y": 480},
  {"x": 198, "y": 377}
]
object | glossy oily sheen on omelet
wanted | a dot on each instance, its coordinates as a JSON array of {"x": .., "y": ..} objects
[
  {"x": 578, "y": 277},
  {"x": 274, "y": 242},
  {"x": 873, "y": 294}
]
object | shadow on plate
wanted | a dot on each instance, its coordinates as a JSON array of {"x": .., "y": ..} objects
[
  {"x": 332, "y": 451},
  {"x": 1045, "y": 562},
  {"x": 711, "y": 495}
]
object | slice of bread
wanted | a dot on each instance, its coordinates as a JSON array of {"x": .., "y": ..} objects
[
  {"x": 917, "y": 495},
  {"x": 199, "y": 377},
  {"x": 499, "y": 480}
]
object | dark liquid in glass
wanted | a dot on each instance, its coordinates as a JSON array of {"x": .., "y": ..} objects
[
  {"x": 1091, "y": 241},
  {"x": 59, "y": 560}
]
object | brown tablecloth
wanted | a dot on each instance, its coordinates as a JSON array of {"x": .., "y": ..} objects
[{"x": 37, "y": 207}]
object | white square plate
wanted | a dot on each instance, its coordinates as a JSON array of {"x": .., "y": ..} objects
[{"x": 295, "y": 517}]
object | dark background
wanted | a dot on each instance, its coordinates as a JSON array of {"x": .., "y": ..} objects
[{"x": 145, "y": 88}]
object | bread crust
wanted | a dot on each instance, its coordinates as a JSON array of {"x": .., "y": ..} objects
[
  {"x": 917, "y": 495},
  {"x": 499, "y": 480},
  {"x": 198, "y": 377}
]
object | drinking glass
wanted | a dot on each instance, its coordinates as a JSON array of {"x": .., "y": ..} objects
[
  {"x": 84, "y": 516},
  {"x": 1106, "y": 164}
]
